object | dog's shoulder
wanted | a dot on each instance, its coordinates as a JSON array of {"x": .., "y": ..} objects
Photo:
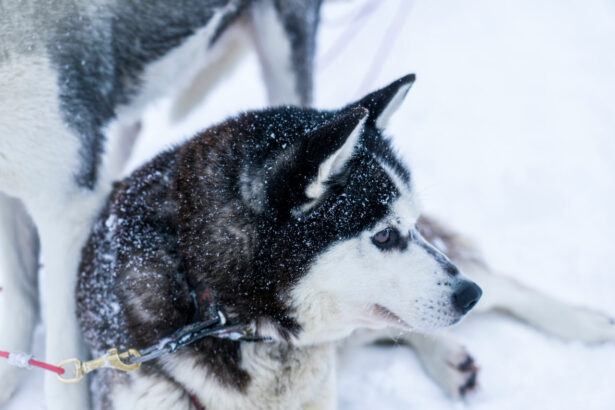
[{"x": 129, "y": 264}]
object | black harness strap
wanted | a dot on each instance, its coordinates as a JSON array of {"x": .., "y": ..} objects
[{"x": 212, "y": 322}]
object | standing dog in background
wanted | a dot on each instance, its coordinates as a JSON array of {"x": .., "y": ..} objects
[{"x": 70, "y": 74}]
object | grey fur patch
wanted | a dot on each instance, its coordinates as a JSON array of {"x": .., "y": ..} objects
[
  {"x": 300, "y": 20},
  {"x": 127, "y": 35}
]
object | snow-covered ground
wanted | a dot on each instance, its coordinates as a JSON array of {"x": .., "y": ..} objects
[{"x": 510, "y": 130}]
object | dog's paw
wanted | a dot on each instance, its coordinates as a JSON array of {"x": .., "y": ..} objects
[
  {"x": 467, "y": 372},
  {"x": 457, "y": 373},
  {"x": 448, "y": 362}
]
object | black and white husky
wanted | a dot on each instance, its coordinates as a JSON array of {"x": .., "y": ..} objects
[
  {"x": 304, "y": 225},
  {"x": 72, "y": 72}
]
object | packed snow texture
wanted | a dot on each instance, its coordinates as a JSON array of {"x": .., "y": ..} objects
[{"x": 510, "y": 132}]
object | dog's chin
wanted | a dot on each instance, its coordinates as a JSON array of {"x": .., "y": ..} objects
[
  {"x": 379, "y": 317},
  {"x": 431, "y": 325}
]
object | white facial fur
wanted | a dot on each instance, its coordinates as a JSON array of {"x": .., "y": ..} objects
[{"x": 355, "y": 284}]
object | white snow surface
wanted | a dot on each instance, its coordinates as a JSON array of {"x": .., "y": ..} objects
[{"x": 510, "y": 132}]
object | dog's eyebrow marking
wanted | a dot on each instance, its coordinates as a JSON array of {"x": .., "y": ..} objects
[
  {"x": 437, "y": 255},
  {"x": 403, "y": 187}
]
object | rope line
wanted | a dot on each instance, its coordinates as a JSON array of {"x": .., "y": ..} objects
[{"x": 23, "y": 360}]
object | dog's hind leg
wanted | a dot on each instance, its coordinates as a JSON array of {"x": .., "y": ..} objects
[
  {"x": 285, "y": 38},
  {"x": 546, "y": 313},
  {"x": 230, "y": 50},
  {"x": 18, "y": 283}
]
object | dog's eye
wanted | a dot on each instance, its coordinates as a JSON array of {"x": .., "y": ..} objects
[{"x": 386, "y": 239}]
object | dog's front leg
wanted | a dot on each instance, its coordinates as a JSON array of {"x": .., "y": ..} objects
[
  {"x": 62, "y": 233},
  {"x": 444, "y": 358},
  {"x": 18, "y": 280}
]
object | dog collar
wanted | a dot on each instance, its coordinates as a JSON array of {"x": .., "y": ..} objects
[{"x": 211, "y": 322}]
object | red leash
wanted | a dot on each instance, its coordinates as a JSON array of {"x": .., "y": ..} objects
[{"x": 25, "y": 360}]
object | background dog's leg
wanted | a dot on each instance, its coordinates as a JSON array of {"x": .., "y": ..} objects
[
  {"x": 18, "y": 280},
  {"x": 229, "y": 54},
  {"x": 285, "y": 39},
  {"x": 62, "y": 233},
  {"x": 542, "y": 311},
  {"x": 122, "y": 139},
  {"x": 444, "y": 358}
]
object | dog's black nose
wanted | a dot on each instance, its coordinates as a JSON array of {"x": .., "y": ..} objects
[{"x": 466, "y": 296}]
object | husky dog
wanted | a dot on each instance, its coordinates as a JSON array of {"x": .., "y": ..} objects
[
  {"x": 303, "y": 224},
  {"x": 72, "y": 72}
]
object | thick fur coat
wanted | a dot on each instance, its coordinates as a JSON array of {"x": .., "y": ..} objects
[{"x": 259, "y": 209}]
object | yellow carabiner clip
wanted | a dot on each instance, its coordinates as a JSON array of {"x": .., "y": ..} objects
[
  {"x": 111, "y": 359},
  {"x": 115, "y": 359},
  {"x": 77, "y": 368}
]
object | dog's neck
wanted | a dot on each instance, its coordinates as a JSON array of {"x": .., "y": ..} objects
[{"x": 252, "y": 375}]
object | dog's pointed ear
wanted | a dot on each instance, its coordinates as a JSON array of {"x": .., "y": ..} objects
[
  {"x": 384, "y": 102},
  {"x": 332, "y": 146},
  {"x": 298, "y": 181}
]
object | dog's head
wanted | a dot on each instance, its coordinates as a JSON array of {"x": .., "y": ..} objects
[{"x": 338, "y": 216}]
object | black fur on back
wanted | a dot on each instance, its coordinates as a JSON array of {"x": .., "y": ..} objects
[{"x": 221, "y": 210}]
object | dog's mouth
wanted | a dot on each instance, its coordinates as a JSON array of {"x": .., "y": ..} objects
[{"x": 384, "y": 315}]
